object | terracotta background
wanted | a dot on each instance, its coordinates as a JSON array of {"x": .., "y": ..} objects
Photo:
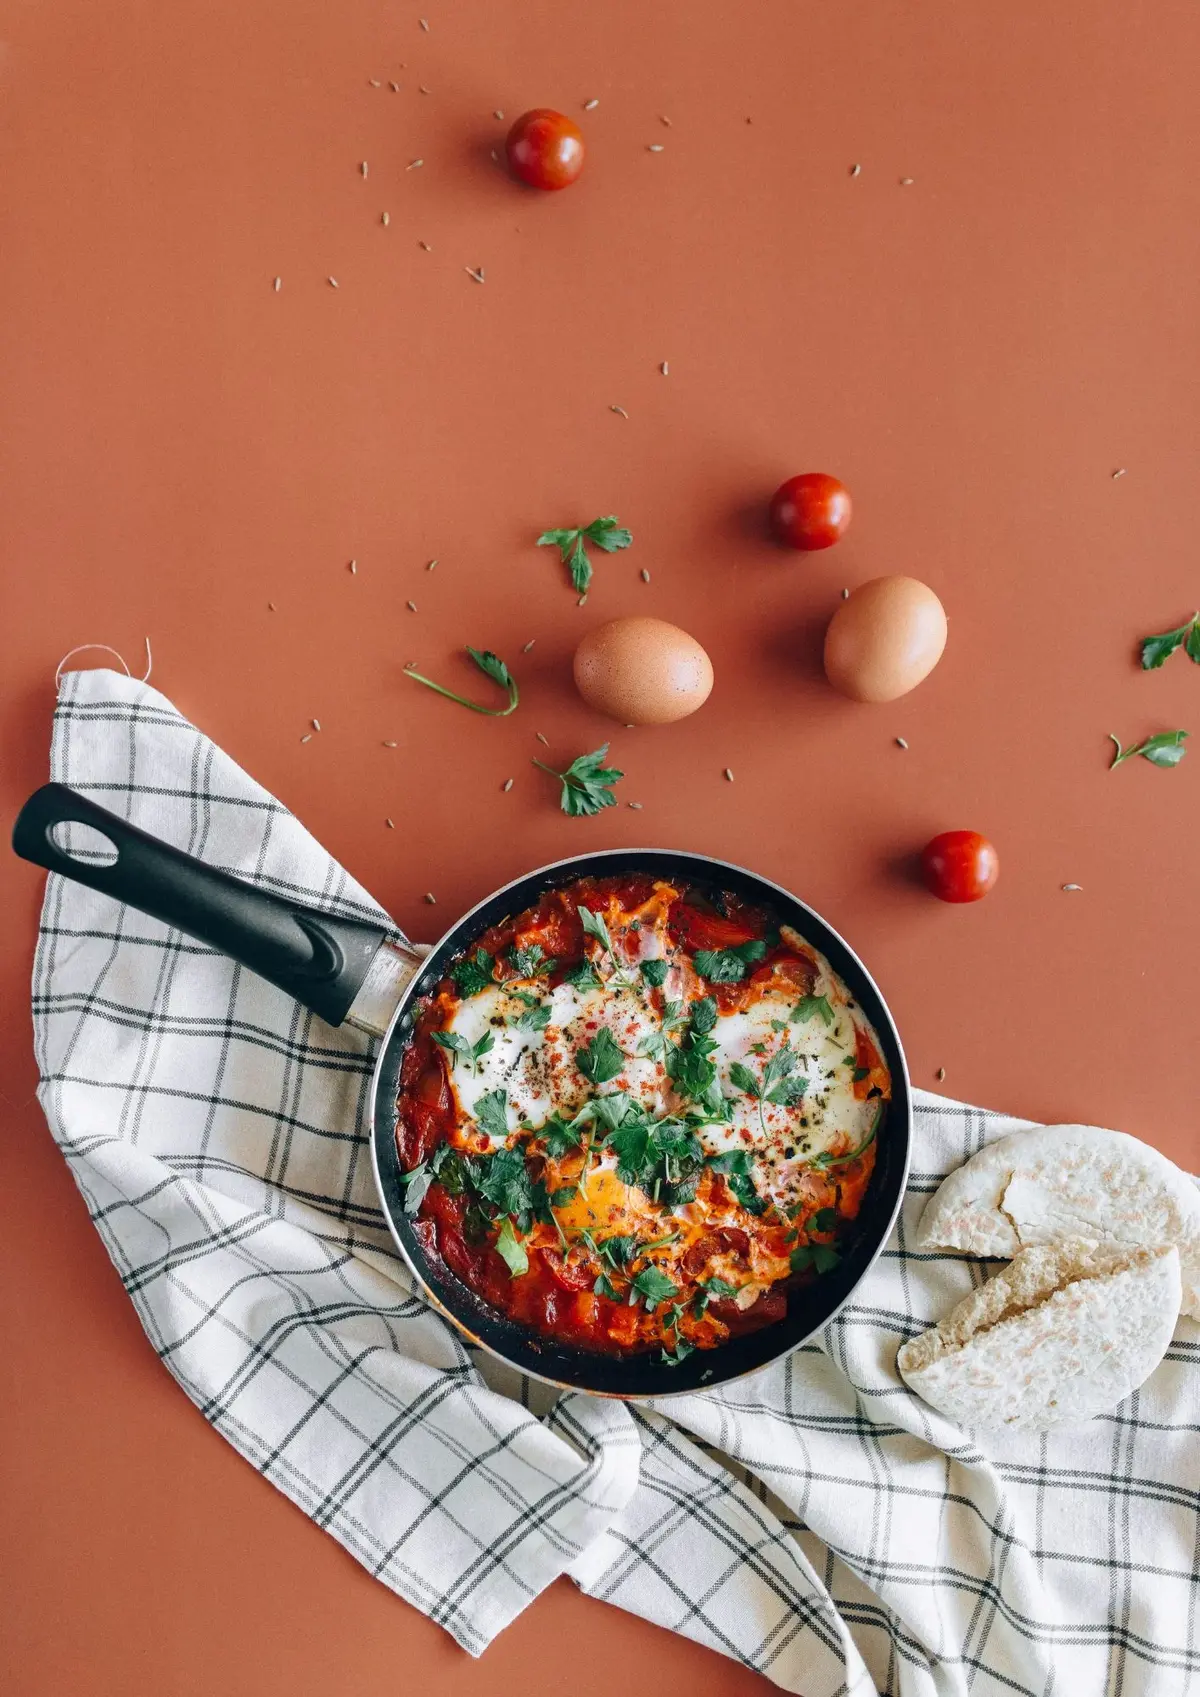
[{"x": 975, "y": 354}]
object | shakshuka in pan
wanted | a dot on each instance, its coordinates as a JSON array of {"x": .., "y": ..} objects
[{"x": 636, "y": 1116}]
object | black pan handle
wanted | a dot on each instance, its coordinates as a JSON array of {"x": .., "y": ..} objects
[{"x": 319, "y": 959}]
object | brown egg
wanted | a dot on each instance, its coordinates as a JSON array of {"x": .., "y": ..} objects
[
  {"x": 642, "y": 671},
  {"x": 885, "y": 639}
]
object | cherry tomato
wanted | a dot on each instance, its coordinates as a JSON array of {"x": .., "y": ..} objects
[
  {"x": 810, "y": 511},
  {"x": 959, "y": 866},
  {"x": 545, "y": 149}
]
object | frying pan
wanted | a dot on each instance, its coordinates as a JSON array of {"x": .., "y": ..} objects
[{"x": 347, "y": 970}]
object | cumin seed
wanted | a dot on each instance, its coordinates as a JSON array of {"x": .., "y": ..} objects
[
  {"x": 307, "y": 737},
  {"x": 499, "y": 115},
  {"x": 581, "y": 601},
  {"x": 507, "y": 785},
  {"x": 940, "y": 1074},
  {"x": 385, "y": 217},
  {"x": 845, "y": 595},
  {"x": 395, "y": 87},
  {"x": 389, "y": 825},
  {"x": 426, "y": 246},
  {"x": 431, "y": 898},
  {"x": 476, "y": 275},
  {"x": 856, "y": 170},
  {"x": 636, "y": 806},
  {"x": 375, "y": 83},
  {"x": 665, "y": 369},
  {"x": 333, "y": 282},
  {"x": 656, "y": 147},
  {"x": 495, "y": 157},
  {"x": 645, "y": 574},
  {"x": 353, "y": 566},
  {"x": 906, "y": 182},
  {"x": 363, "y": 167},
  {"x": 411, "y": 605},
  {"x": 663, "y": 120},
  {"x": 413, "y": 164},
  {"x": 729, "y": 774},
  {"x": 1120, "y": 471},
  {"x": 424, "y": 90},
  {"x": 590, "y": 105},
  {"x": 278, "y": 284},
  {"x": 431, "y": 565},
  {"x": 390, "y": 745},
  {"x": 316, "y": 724},
  {"x": 1078, "y": 887},
  {"x": 424, "y": 23},
  {"x": 542, "y": 739},
  {"x": 620, "y": 410},
  {"x": 900, "y": 743},
  {"x": 270, "y": 606},
  {"x": 529, "y": 645}
]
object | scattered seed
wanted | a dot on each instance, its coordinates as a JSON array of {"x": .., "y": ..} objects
[
  {"x": 729, "y": 774},
  {"x": 940, "y": 1074},
  {"x": 656, "y": 147},
  {"x": 665, "y": 369},
  {"x": 431, "y": 565},
  {"x": 620, "y": 410},
  {"x": 1073, "y": 887},
  {"x": 645, "y": 574},
  {"x": 663, "y": 120},
  {"x": 270, "y": 606},
  {"x": 353, "y": 566},
  {"x": 423, "y": 90},
  {"x": 390, "y": 745},
  {"x": 906, "y": 182},
  {"x": 411, "y": 605},
  {"x": 431, "y": 898},
  {"x": 389, "y": 825},
  {"x": 363, "y": 167},
  {"x": 507, "y": 785},
  {"x": 476, "y": 275},
  {"x": 1120, "y": 471},
  {"x": 374, "y": 83},
  {"x": 631, "y": 727},
  {"x": 529, "y": 645},
  {"x": 333, "y": 282},
  {"x": 307, "y": 737},
  {"x": 413, "y": 164},
  {"x": 278, "y": 284},
  {"x": 498, "y": 114},
  {"x": 395, "y": 87},
  {"x": 385, "y": 217},
  {"x": 636, "y": 806},
  {"x": 845, "y": 595},
  {"x": 542, "y": 739},
  {"x": 590, "y": 105},
  {"x": 424, "y": 23},
  {"x": 856, "y": 170},
  {"x": 581, "y": 600},
  {"x": 426, "y": 246},
  {"x": 316, "y": 724},
  {"x": 495, "y": 156},
  {"x": 900, "y": 743}
]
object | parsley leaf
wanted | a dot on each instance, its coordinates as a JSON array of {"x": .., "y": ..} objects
[
  {"x": 564, "y": 1194},
  {"x": 728, "y": 966},
  {"x": 511, "y": 1250},
  {"x": 631, "y": 1145},
  {"x": 737, "y": 1165},
  {"x": 586, "y": 784},
  {"x": 595, "y": 925},
  {"x": 655, "y": 972},
  {"x": 618, "y": 1251},
  {"x": 716, "y": 1290},
  {"x": 824, "y": 1220},
  {"x": 682, "y": 1349},
  {"x": 703, "y": 1016},
  {"x": 536, "y": 1018},
  {"x": 1165, "y": 749},
  {"x": 416, "y": 1184},
  {"x": 530, "y": 962},
  {"x": 462, "y": 1050},
  {"x": 807, "y": 1006},
  {"x": 473, "y": 973},
  {"x": 584, "y": 976},
  {"x": 604, "y": 533},
  {"x": 789, "y": 1093},
  {"x": 560, "y": 1139},
  {"x": 654, "y": 1286},
  {"x": 745, "y": 1080},
  {"x": 492, "y": 667},
  {"x": 491, "y": 1111},
  {"x": 604, "y": 1287},
  {"x": 608, "y": 1111},
  {"x": 503, "y": 1180},
  {"x": 819, "y": 1256},
  {"x": 1157, "y": 649},
  {"x": 600, "y": 1059}
]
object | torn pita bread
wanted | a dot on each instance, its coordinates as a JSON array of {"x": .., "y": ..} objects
[
  {"x": 1059, "y": 1181},
  {"x": 1063, "y": 1333}
]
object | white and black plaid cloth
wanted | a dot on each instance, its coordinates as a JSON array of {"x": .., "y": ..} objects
[{"x": 860, "y": 1543}]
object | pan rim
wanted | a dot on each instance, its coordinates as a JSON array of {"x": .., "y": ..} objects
[{"x": 385, "y": 1044}]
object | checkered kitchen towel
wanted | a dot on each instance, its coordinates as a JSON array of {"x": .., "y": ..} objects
[{"x": 860, "y": 1543}]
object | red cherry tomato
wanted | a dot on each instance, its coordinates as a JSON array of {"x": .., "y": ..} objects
[
  {"x": 810, "y": 511},
  {"x": 545, "y": 149},
  {"x": 959, "y": 866}
]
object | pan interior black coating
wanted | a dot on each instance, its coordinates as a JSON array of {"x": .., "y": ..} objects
[{"x": 808, "y": 1309}]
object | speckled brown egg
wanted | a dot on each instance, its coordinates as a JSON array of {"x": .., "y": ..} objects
[
  {"x": 642, "y": 671},
  {"x": 885, "y": 639}
]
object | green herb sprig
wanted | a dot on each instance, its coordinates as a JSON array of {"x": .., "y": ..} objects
[
  {"x": 606, "y": 534},
  {"x": 1157, "y": 649},
  {"x": 492, "y": 667},
  {"x": 586, "y": 783},
  {"x": 728, "y": 966},
  {"x": 1165, "y": 749}
]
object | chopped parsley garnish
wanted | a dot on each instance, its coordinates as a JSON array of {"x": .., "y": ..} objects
[
  {"x": 714, "y": 1290},
  {"x": 564, "y": 1194},
  {"x": 607, "y": 534},
  {"x": 1156, "y": 649},
  {"x": 600, "y": 1059},
  {"x": 503, "y": 1180},
  {"x": 473, "y": 973},
  {"x": 462, "y": 1050},
  {"x": 491, "y": 1111},
  {"x": 824, "y": 1220},
  {"x": 584, "y": 976},
  {"x": 682, "y": 1350},
  {"x": 511, "y": 1250},
  {"x": 654, "y": 1287},
  {"x": 531, "y": 962},
  {"x": 655, "y": 972},
  {"x": 728, "y": 966},
  {"x": 536, "y": 1018},
  {"x": 618, "y": 1251},
  {"x": 688, "y": 1064},
  {"x": 595, "y": 925},
  {"x": 586, "y": 783},
  {"x": 1165, "y": 749},
  {"x": 416, "y": 1184},
  {"x": 604, "y": 1287},
  {"x": 808, "y": 1006},
  {"x": 819, "y": 1256},
  {"x": 492, "y": 667},
  {"x": 860, "y": 1073},
  {"x": 607, "y": 1111},
  {"x": 737, "y": 1166},
  {"x": 560, "y": 1138}
]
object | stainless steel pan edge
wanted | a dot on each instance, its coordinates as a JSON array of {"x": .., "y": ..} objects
[{"x": 594, "y": 1368}]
